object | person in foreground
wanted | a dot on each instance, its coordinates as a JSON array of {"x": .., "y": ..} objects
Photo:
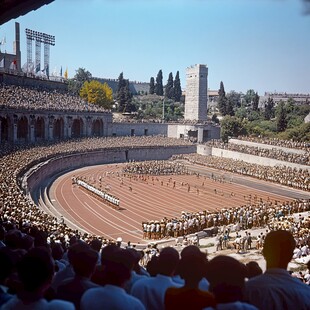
[
  {"x": 151, "y": 290},
  {"x": 227, "y": 276},
  {"x": 192, "y": 268},
  {"x": 276, "y": 288},
  {"x": 35, "y": 272},
  {"x": 112, "y": 295}
]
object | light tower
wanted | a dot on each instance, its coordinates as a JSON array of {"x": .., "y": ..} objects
[
  {"x": 39, "y": 38},
  {"x": 196, "y": 98}
]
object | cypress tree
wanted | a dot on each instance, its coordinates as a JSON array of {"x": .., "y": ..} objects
[
  {"x": 152, "y": 86},
  {"x": 159, "y": 89},
  {"x": 222, "y": 101},
  {"x": 177, "y": 88},
  {"x": 128, "y": 97},
  {"x": 255, "y": 102},
  {"x": 169, "y": 87},
  {"x": 123, "y": 95}
]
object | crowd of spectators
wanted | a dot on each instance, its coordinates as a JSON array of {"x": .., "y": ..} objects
[
  {"x": 49, "y": 265},
  {"x": 278, "y": 142},
  {"x": 303, "y": 159},
  {"x": 17, "y": 209},
  {"x": 18, "y": 97},
  {"x": 292, "y": 177},
  {"x": 36, "y": 274}
]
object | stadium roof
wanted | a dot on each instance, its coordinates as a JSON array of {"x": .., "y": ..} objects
[{"x": 10, "y": 9}]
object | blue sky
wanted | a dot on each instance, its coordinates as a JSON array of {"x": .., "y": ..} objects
[{"x": 258, "y": 44}]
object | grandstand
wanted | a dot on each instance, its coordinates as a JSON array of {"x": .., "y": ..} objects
[{"x": 174, "y": 183}]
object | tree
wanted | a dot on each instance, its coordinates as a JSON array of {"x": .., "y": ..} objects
[
  {"x": 290, "y": 106},
  {"x": 249, "y": 96},
  {"x": 229, "y": 107},
  {"x": 123, "y": 95},
  {"x": 235, "y": 98},
  {"x": 231, "y": 126},
  {"x": 159, "y": 90},
  {"x": 255, "y": 102},
  {"x": 241, "y": 112},
  {"x": 222, "y": 99},
  {"x": 121, "y": 82},
  {"x": 281, "y": 117},
  {"x": 177, "y": 87},
  {"x": 128, "y": 98},
  {"x": 81, "y": 76},
  {"x": 97, "y": 93},
  {"x": 269, "y": 109},
  {"x": 152, "y": 86},
  {"x": 169, "y": 87}
]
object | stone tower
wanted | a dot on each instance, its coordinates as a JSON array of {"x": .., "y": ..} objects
[{"x": 196, "y": 97}]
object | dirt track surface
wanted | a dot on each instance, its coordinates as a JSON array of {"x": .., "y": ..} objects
[{"x": 154, "y": 198}]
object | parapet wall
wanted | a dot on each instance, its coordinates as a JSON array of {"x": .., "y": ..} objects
[
  {"x": 22, "y": 80},
  {"x": 38, "y": 175},
  {"x": 266, "y": 146},
  {"x": 253, "y": 159}
]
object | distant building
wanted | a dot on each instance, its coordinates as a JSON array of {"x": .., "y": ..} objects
[
  {"x": 134, "y": 86},
  {"x": 277, "y": 97},
  {"x": 196, "y": 99}
]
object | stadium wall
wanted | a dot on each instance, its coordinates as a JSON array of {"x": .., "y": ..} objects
[
  {"x": 32, "y": 178},
  {"x": 203, "y": 149},
  {"x": 253, "y": 159},
  {"x": 139, "y": 129}
]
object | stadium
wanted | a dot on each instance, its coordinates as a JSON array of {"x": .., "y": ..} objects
[{"x": 72, "y": 175}]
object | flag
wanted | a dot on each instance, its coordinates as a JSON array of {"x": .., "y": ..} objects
[
  {"x": 66, "y": 74},
  {"x": 61, "y": 71},
  {"x": 13, "y": 65},
  {"x": 2, "y": 63}
]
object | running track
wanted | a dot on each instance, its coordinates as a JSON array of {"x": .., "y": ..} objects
[{"x": 153, "y": 200}]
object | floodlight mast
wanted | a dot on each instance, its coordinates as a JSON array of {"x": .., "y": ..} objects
[{"x": 39, "y": 38}]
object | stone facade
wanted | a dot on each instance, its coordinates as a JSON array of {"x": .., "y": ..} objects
[
  {"x": 196, "y": 98},
  {"x": 21, "y": 125}
]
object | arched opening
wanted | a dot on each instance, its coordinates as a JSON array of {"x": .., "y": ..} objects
[
  {"x": 58, "y": 129},
  {"x": 39, "y": 132},
  {"x": 4, "y": 129},
  {"x": 22, "y": 129},
  {"x": 77, "y": 128},
  {"x": 97, "y": 128}
]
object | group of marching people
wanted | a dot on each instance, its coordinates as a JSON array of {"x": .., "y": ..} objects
[{"x": 255, "y": 215}]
